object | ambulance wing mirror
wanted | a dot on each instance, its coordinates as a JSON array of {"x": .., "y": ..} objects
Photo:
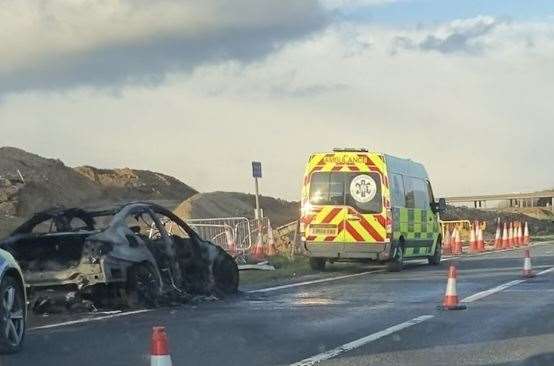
[{"x": 441, "y": 205}]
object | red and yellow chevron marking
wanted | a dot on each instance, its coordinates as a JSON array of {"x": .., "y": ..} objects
[
  {"x": 329, "y": 215},
  {"x": 366, "y": 228}
]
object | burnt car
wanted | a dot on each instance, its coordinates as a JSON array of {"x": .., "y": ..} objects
[{"x": 134, "y": 255}]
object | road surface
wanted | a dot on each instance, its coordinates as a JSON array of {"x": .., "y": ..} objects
[{"x": 368, "y": 319}]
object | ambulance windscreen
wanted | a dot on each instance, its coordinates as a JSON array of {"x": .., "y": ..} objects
[{"x": 361, "y": 191}]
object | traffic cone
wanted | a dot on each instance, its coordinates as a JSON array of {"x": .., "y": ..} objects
[
  {"x": 231, "y": 245},
  {"x": 159, "y": 350},
  {"x": 271, "y": 249},
  {"x": 480, "y": 241},
  {"x": 498, "y": 237},
  {"x": 527, "y": 267},
  {"x": 505, "y": 244},
  {"x": 526, "y": 234},
  {"x": 258, "y": 252},
  {"x": 451, "y": 301},
  {"x": 518, "y": 241},
  {"x": 472, "y": 239},
  {"x": 510, "y": 235},
  {"x": 456, "y": 243},
  {"x": 447, "y": 243}
]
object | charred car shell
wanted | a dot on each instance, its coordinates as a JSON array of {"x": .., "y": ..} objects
[{"x": 144, "y": 256}]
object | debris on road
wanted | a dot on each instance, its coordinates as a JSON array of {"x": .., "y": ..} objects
[
  {"x": 134, "y": 255},
  {"x": 264, "y": 266}
]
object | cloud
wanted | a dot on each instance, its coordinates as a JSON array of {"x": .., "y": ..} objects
[
  {"x": 459, "y": 36},
  {"x": 442, "y": 111},
  {"x": 66, "y": 43},
  {"x": 342, "y": 4}
]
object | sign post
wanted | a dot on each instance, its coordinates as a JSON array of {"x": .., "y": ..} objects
[{"x": 257, "y": 173}]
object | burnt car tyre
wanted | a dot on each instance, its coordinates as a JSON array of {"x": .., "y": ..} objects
[
  {"x": 226, "y": 275},
  {"x": 143, "y": 287},
  {"x": 12, "y": 316}
]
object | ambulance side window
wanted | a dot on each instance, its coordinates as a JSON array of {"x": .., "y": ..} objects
[
  {"x": 421, "y": 194},
  {"x": 430, "y": 191},
  {"x": 410, "y": 192},
  {"x": 398, "y": 195}
]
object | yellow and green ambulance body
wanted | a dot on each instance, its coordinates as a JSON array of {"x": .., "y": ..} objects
[{"x": 360, "y": 205}]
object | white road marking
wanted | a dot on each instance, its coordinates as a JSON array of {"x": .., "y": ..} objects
[
  {"x": 361, "y": 342},
  {"x": 494, "y": 290},
  {"x": 91, "y": 319},
  {"x": 497, "y": 289},
  {"x": 545, "y": 271},
  {"x": 323, "y": 280}
]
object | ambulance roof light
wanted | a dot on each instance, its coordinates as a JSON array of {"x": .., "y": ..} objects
[{"x": 350, "y": 149}]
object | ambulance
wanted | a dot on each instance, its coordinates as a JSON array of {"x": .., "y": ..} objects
[{"x": 366, "y": 206}]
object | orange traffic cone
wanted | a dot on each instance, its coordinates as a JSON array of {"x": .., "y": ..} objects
[
  {"x": 258, "y": 252},
  {"x": 451, "y": 301},
  {"x": 498, "y": 237},
  {"x": 472, "y": 239},
  {"x": 480, "y": 240},
  {"x": 527, "y": 267},
  {"x": 519, "y": 240},
  {"x": 271, "y": 249},
  {"x": 510, "y": 235},
  {"x": 159, "y": 350},
  {"x": 447, "y": 243},
  {"x": 505, "y": 237},
  {"x": 456, "y": 243},
  {"x": 526, "y": 234},
  {"x": 231, "y": 245}
]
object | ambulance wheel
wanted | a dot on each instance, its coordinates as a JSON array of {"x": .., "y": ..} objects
[
  {"x": 435, "y": 260},
  {"x": 397, "y": 262},
  {"x": 317, "y": 264}
]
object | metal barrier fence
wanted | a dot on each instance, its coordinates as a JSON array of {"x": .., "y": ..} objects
[
  {"x": 463, "y": 226},
  {"x": 287, "y": 238},
  {"x": 242, "y": 231},
  {"x": 218, "y": 229}
]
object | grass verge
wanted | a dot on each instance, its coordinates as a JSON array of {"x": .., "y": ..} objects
[
  {"x": 284, "y": 270},
  {"x": 543, "y": 238}
]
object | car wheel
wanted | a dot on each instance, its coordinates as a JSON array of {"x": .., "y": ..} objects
[
  {"x": 397, "y": 262},
  {"x": 317, "y": 264},
  {"x": 12, "y": 315},
  {"x": 435, "y": 260},
  {"x": 143, "y": 287}
]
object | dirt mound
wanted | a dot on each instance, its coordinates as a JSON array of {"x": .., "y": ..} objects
[
  {"x": 31, "y": 183},
  {"x": 233, "y": 204},
  {"x": 136, "y": 184},
  {"x": 539, "y": 213},
  {"x": 536, "y": 226},
  {"x": 43, "y": 183}
]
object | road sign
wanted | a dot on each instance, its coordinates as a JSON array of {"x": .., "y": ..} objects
[{"x": 256, "y": 169}]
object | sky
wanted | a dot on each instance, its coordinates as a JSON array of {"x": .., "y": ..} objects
[{"x": 199, "y": 89}]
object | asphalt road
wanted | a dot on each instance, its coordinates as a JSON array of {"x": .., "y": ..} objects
[{"x": 367, "y": 319}]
